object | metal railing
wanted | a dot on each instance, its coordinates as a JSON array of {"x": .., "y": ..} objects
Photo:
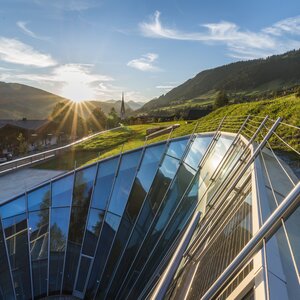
[{"x": 38, "y": 157}]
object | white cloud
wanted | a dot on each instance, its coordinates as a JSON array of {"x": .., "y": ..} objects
[
  {"x": 286, "y": 26},
  {"x": 73, "y": 81},
  {"x": 23, "y": 26},
  {"x": 145, "y": 63},
  {"x": 16, "y": 52},
  {"x": 243, "y": 44}
]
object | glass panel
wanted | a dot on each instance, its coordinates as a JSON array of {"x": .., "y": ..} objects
[
  {"x": 292, "y": 225},
  {"x": 282, "y": 275},
  {"x": 6, "y": 288},
  {"x": 13, "y": 208},
  {"x": 83, "y": 272},
  {"x": 62, "y": 191},
  {"x": 176, "y": 225},
  {"x": 224, "y": 247},
  {"x": 93, "y": 231},
  {"x": 157, "y": 191},
  {"x": 183, "y": 179},
  {"x": 104, "y": 182},
  {"x": 81, "y": 198},
  {"x": 38, "y": 223},
  {"x": 177, "y": 148},
  {"x": 58, "y": 239},
  {"x": 211, "y": 164},
  {"x": 123, "y": 182},
  {"x": 107, "y": 235},
  {"x": 197, "y": 150},
  {"x": 39, "y": 198},
  {"x": 18, "y": 251},
  {"x": 140, "y": 188}
]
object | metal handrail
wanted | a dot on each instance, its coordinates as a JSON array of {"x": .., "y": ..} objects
[
  {"x": 283, "y": 211},
  {"x": 30, "y": 159}
]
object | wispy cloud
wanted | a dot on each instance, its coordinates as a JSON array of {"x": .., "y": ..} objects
[
  {"x": 23, "y": 26},
  {"x": 165, "y": 87},
  {"x": 16, "y": 52},
  {"x": 243, "y": 44},
  {"x": 73, "y": 81},
  {"x": 287, "y": 26},
  {"x": 146, "y": 63},
  {"x": 70, "y": 5}
]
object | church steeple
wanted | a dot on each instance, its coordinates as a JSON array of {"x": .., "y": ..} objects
[{"x": 122, "y": 113}]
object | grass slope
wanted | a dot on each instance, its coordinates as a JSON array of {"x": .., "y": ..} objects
[{"x": 131, "y": 137}]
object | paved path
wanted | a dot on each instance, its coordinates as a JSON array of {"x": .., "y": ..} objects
[{"x": 17, "y": 182}]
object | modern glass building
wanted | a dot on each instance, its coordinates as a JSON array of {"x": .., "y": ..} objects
[{"x": 212, "y": 215}]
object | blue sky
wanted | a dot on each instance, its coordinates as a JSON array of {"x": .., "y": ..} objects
[{"x": 95, "y": 49}]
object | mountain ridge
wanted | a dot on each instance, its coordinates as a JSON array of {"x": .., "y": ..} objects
[{"x": 252, "y": 77}]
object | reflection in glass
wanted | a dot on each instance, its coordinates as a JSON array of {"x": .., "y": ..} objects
[
  {"x": 123, "y": 182},
  {"x": 107, "y": 235},
  {"x": 14, "y": 207},
  {"x": 104, "y": 182},
  {"x": 176, "y": 225},
  {"x": 39, "y": 198},
  {"x": 141, "y": 186},
  {"x": 177, "y": 148},
  {"x": 84, "y": 267},
  {"x": 92, "y": 233},
  {"x": 180, "y": 184},
  {"x": 38, "y": 223},
  {"x": 197, "y": 150},
  {"x": 157, "y": 191},
  {"x": 6, "y": 288},
  {"x": 62, "y": 191},
  {"x": 84, "y": 180},
  {"x": 58, "y": 239},
  {"x": 16, "y": 234}
]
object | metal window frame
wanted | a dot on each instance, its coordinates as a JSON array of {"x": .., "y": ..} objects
[{"x": 213, "y": 141}]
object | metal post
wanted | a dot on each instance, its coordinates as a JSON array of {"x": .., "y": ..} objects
[
  {"x": 167, "y": 277},
  {"x": 283, "y": 211}
]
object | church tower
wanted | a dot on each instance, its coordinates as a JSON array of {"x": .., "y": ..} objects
[{"x": 122, "y": 113}]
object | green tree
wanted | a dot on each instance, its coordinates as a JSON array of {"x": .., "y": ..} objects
[
  {"x": 221, "y": 99},
  {"x": 22, "y": 144},
  {"x": 97, "y": 120},
  {"x": 113, "y": 119}
]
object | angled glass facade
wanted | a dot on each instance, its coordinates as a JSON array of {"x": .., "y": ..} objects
[{"x": 110, "y": 230}]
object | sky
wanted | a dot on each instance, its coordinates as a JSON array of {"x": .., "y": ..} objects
[{"x": 95, "y": 49}]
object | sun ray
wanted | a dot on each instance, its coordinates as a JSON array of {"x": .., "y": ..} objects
[{"x": 94, "y": 120}]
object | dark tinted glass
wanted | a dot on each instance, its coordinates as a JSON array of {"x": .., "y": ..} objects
[
  {"x": 13, "y": 208},
  {"x": 92, "y": 233},
  {"x": 104, "y": 182},
  {"x": 38, "y": 223},
  {"x": 81, "y": 199},
  {"x": 107, "y": 235},
  {"x": 58, "y": 241},
  {"x": 141, "y": 186},
  {"x": 84, "y": 267},
  {"x": 6, "y": 288},
  {"x": 124, "y": 182},
  {"x": 17, "y": 246},
  {"x": 39, "y": 198},
  {"x": 176, "y": 225},
  {"x": 179, "y": 186},
  {"x": 62, "y": 191},
  {"x": 157, "y": 191}
]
